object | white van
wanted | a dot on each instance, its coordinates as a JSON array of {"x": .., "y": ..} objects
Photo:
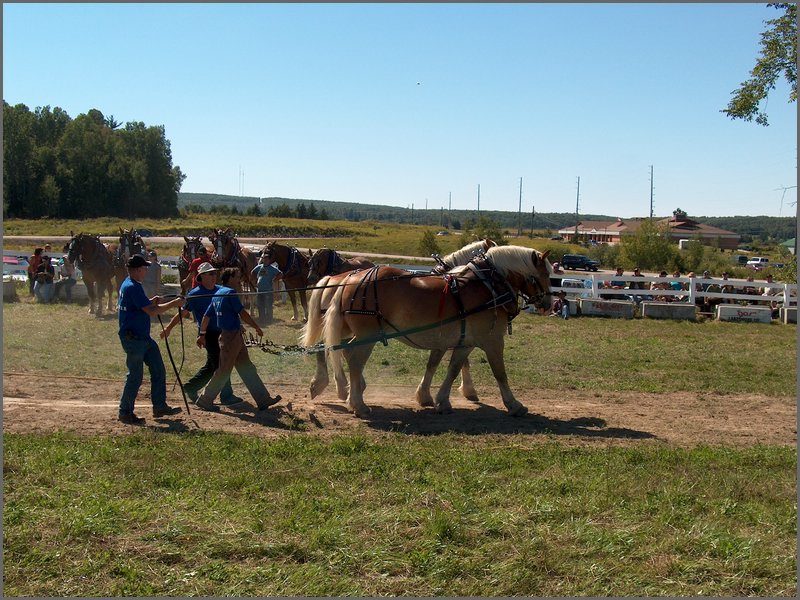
[{"x": 758, "y": 262}]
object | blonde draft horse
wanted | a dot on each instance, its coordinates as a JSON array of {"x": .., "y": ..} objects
[
  {"x": 385, "y": 301},
  {"x": 94, "y": 260},
  {"x": 326, "y": 261},
  {"x": 320, "y": 300},
  {"x": 229, "y": 253},
  {"x": 130, "y": 243},
  {"x": 191, "y": 249},
  {"x": 294, "y": 266}
]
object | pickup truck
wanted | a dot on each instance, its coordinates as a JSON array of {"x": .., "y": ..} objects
[{"x": 579, "y": 261}]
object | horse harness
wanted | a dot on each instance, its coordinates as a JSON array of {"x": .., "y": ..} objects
[
  {"x": 101, "y": 256},
  {"x": 335, "y": 263},
  {"x": 481, "y": 268}
]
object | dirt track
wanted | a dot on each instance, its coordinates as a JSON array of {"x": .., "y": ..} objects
[{"x": 89, "y": 406}]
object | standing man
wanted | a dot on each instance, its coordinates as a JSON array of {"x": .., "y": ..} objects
[
  {"x": 135, "y": 310},
  {"x": 265, "y": 273},
  {"x": 229, "y": 313},
  {"x": 195, "y": 265},
  {"x": 34, "y": 260},
  {"x": 197, "y": 301},
  {"x": 152, "y": 277}
]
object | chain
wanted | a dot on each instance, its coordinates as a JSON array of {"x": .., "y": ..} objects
[{"x": 271, "y": 347}]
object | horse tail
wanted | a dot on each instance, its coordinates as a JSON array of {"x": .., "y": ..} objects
[
  {"x": 332, "y": 329},
  {"x": 312, "y": 330}
]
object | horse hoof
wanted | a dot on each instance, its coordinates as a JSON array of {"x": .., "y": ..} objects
[
  {"x": 472, "y": 398},
  {"x": 294, "y": 319},
  {"x": 521, "y": 411},
  {"x": 444, "y": 409},
  {"x": 425, "y": 401}
]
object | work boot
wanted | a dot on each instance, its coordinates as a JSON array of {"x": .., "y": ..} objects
[
  {"x": 270, "y": 401},
  {"x": 207, "y": 406},
  {"x": 131, "y": 419},
  {"x": 165, "y": 411},
  {"x": 233, "y": 399}
]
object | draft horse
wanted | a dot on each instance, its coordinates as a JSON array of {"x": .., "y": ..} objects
[
  {"x": 229, "y": 253},
  {"x": 294, "y": 266},
  {"x": 191, "y": 250},
  {"x": 320, "y": 300},
  {"x": 459, "y": 312},
  {"x": 94, "y": 260},
  {"x": 326, "y": 261},
  {"x": 130, "y": 243}
]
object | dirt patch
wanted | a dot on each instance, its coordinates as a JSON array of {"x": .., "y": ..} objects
[{"x": 89, "y": 406}]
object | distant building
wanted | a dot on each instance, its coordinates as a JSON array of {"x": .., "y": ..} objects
[{"x": 681, "y": 228}]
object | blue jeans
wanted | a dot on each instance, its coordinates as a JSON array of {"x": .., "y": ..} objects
[
  {"x": 140, "y": 352},
  {"x": 44, "y": 292}
]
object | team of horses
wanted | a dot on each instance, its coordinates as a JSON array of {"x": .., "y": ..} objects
[{"x": 468, "y": 300}]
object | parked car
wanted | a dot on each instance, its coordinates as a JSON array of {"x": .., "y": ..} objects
[
  {"x": 557, "y": 238},
  {"x": 757, "y": 263},
  {"x": 579, "y": 261},
  {"x": 443, "y": 232},
  {"x": 740, "y": 259}
]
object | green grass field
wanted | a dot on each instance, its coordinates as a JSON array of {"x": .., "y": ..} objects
[{"x": 188, "y": 514}]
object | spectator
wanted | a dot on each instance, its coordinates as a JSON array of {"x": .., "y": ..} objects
[
  {"x": 661, "y": 285},
  {"x": 66, "y": 279},
  {"x": 197, "y": 302},
  {"x": 560, "y": 306},
  {"x": 152, "y": 277},
  {"x": 727, "y": 288},
  {"x": 34, "y": 260},
  {"x": 195, "y": 265},
  {"x": 556, "y": 281},
  {"x": 135, "y": 310},
  {"x": 43, "y": 286},
  {"x": 770, "y": 292},
  {"x": 265, "y": 274},
  {"x": 751, "y": 290},
  {"x": 229, "y": 313},
  {"x": 617, "y": 284}
]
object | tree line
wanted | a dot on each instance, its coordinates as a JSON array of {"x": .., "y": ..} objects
[{"x": 90, "y": 166}]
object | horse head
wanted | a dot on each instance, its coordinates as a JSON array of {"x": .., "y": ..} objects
[
  {"x": 319, "y": 265},
  {"x": 526, "y": 270},
  {"x": 226, "y": 246},
  {"x": 130, "y": 243},
  {"x": 192, "y": 248}
]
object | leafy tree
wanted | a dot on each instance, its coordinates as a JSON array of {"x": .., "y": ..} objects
[
  {"x": 649, "y": 248},
  {"x": 282, "y": 211},
  {"x": 778, "y": 57},
  {"x": 254, "y": 211},
  {"x": 428, "y": 244}
]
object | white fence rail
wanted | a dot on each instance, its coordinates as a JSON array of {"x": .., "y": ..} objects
[{"x": 598, "y": 285}]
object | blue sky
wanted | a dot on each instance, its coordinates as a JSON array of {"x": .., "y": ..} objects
[{"x": 403, "y": 104}]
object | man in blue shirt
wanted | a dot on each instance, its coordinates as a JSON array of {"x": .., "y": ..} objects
[
  {"x": 135, "y": 310},
  {"x": 228, "y": 311},
  {"x": 197, "y": 301}
]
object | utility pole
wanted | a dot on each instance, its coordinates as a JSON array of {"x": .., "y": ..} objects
[
  {"x": 479, "y": 199},
  {"x": 519, "y": 214},
  {"x": 577, "y": 204},
  {"x": 533, "y": 214},
  {"x": 449, "y": 208},
  {"x": 651, "y": 191}
]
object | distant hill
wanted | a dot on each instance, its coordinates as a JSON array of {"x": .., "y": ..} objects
[{"x": 749, "y": 228}]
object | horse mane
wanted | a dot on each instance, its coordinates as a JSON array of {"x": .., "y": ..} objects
[
  {"x": 463, "y": 256},
  {"x": 512, "y": 258}
]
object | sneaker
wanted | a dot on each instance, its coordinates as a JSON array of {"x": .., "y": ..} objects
[
  {"x": 131, "y": 419},
  {"x": 270, "y": 401},
  {"x": 208, "y": 407},
  {"x": 166, "y": 411},
  {"x": 230, "y": 400}
]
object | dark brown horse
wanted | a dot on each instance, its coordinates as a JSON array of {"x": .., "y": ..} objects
[
  {"x": 229, "y": 253},
  {"x": 329, "y": 262},
  {"x": 371, "y": 305},
  {"x": 320, "y": 299},
  {"x": 294, "y": 266},
  {"x": 94, "y": 260},
  {"x": 130, "y": 243},
  {"x": 191, "y": 249}
]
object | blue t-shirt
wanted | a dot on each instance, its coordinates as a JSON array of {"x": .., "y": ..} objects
[
  {"x": 198, "y": 300},
  {"x": 225, "y": 308},
  {"x": 266, "y": 275},
  {"x": 132, "y": 300}
]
